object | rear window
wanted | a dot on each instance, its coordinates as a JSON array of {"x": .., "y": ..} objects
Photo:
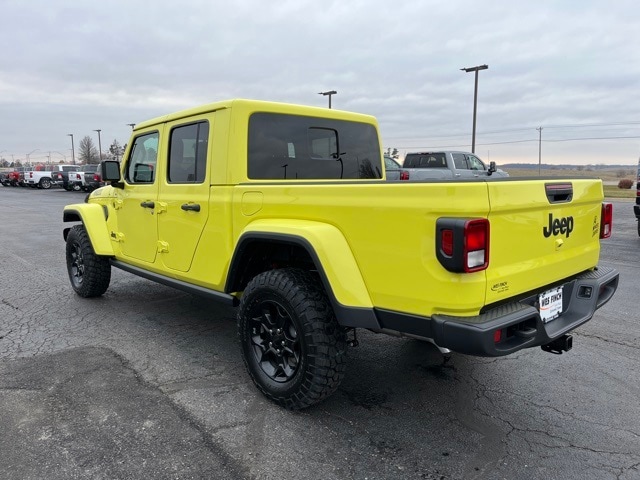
[
  {"x": 425, "y": 160},
  {"x": 297, "y": 147}
]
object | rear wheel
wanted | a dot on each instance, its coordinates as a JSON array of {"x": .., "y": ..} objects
[
  {"x": 292, "y": 345},
  {"x": 89, "y": 273},
  {"x": 45, "y": 183}
]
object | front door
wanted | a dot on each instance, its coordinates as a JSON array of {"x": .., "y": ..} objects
[{"x": 137, "y": 217}]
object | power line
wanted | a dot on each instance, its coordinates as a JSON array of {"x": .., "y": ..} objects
[
  {"x": 521, "y": 129},
  {"x": 519, "y": 141}
]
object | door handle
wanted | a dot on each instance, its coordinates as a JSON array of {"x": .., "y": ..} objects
[
  {"x": 147, "y": 205},
  {"x": 193, "y": 207}
]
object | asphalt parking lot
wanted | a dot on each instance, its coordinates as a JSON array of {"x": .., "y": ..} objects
[{"x": 148, "y": 382}]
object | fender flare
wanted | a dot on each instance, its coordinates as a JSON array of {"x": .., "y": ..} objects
[
  {"x": 333, "y": 259},
  {"x": 93, "y": 217}
]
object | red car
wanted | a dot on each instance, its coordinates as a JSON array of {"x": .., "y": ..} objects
[{"x": 14, "y": 178}]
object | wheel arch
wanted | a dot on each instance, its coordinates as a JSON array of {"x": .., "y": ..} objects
[
  {"x": 321, "y": 248},
  {"x": 93, "y": 217}
]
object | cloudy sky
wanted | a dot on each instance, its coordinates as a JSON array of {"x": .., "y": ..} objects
[{"x": 570, "y": 67}]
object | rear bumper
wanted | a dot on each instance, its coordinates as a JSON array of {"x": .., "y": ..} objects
[{"x": 519, "y": 322}]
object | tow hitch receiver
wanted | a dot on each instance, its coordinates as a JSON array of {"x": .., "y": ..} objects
[{"x": 559, "y": 345}]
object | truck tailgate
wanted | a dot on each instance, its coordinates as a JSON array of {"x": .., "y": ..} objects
[{"x": 544, "y": 231}]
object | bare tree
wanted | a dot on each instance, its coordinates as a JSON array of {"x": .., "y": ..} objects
[
  {"x": 116, "y": 150},
  {"x": 87, "y": 151},
  {"x": 393, "y": 153}
]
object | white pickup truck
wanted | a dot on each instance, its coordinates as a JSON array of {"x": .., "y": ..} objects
[
  {"x": 446, "y": 164},
  {"x": 44, "y": 178}
]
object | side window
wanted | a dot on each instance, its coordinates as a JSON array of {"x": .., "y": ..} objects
[
  {"x": 188, "y": 153},
  {"x": 460, "y": 161},
  {"x": 475, "y": 163},
  {"x": 141, "y": 165},
  {"x": 284, "y": 146}
]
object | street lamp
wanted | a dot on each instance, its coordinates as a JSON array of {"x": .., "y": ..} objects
[
  {"x": 329, "y": 93},
  {"x": 475, "y": 101},
  {"x": 28, "y": 160},
  {"x": 62, "y": 155},
  {"x": 73, "y": 152},
  {"x": 99, "y": 144}
]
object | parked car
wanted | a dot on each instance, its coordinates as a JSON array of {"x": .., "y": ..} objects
[
  {"x": 392, "y": 168},
  {"x": 44, "y": 178},
  {"x": 447, "y": 164},
  {"x": 77, "y": 179},
  {"x": 61, "y": 178},
  {"x": 93, "y": 180},
  {"x": 13, "y": 178}
]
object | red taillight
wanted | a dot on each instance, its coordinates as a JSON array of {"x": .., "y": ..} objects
[
  {"x": 96, "y": 177},
  {"x": 606, "y": 220},
  {"x": 462, "y": 245},
  {"x": 476, "y": 245},
  {"x": 497, "y": 336},
  {"x": 404, "y": 175}
]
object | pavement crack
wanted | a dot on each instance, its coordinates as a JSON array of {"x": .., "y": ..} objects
[
  {"x": 608, "y": 340},
  {"x": 9, "y": 304}
]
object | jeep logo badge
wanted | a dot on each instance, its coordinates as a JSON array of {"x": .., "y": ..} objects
[{"x": 558, "y": 226}]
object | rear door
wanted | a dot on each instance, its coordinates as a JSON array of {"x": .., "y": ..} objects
[{"x": 183, "y": 199}]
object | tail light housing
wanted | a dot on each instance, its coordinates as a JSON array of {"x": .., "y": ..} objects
[
  {"x": 606, "y": 220},
  {"x": 404, "y": 175},
  {"x": 462, "y": 245}
]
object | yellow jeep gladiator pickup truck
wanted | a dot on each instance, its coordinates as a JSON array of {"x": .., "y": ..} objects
[{"x": 284, "y": 211}]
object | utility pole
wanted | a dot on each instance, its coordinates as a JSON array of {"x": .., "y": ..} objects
[
  {"x": 539, "y": 149},
  {"x": 99, "y": 144},
  {"x": 73, "y": 153},
  {"x": 329, "y": 93},
  {"x": 475, "y": 101}
]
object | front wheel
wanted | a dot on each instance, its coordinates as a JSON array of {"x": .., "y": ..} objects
[
  {"x": 292, "y": 345},
  {"x": 89, "y": 273}
]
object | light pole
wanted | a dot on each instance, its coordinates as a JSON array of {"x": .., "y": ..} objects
[
  {"x": 329, "y": 93},
  {"x": 73, "y": 152},
  {"x": 475, "y": 101},
  {"x": 99, "y": 144}
]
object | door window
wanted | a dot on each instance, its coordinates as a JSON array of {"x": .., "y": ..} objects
[
  {"x": 188, "y": 153},
  {"x": 475, "y": 163},
  {"x": 141, "y": 166}
]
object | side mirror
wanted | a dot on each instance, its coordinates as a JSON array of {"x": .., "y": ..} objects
[
  {"x": 110, "y": 171},
  {"x": 492, "y": 168}
]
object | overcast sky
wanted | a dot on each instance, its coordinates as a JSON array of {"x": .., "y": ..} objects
[{"x": 570, "y": 67}]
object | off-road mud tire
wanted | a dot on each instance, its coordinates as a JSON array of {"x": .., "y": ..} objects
[
  {"x": 89, "y": 273},
  {"x": 314, "y": 346}
]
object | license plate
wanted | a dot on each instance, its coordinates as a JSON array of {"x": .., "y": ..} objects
[{"x": 550, "y": 304}]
